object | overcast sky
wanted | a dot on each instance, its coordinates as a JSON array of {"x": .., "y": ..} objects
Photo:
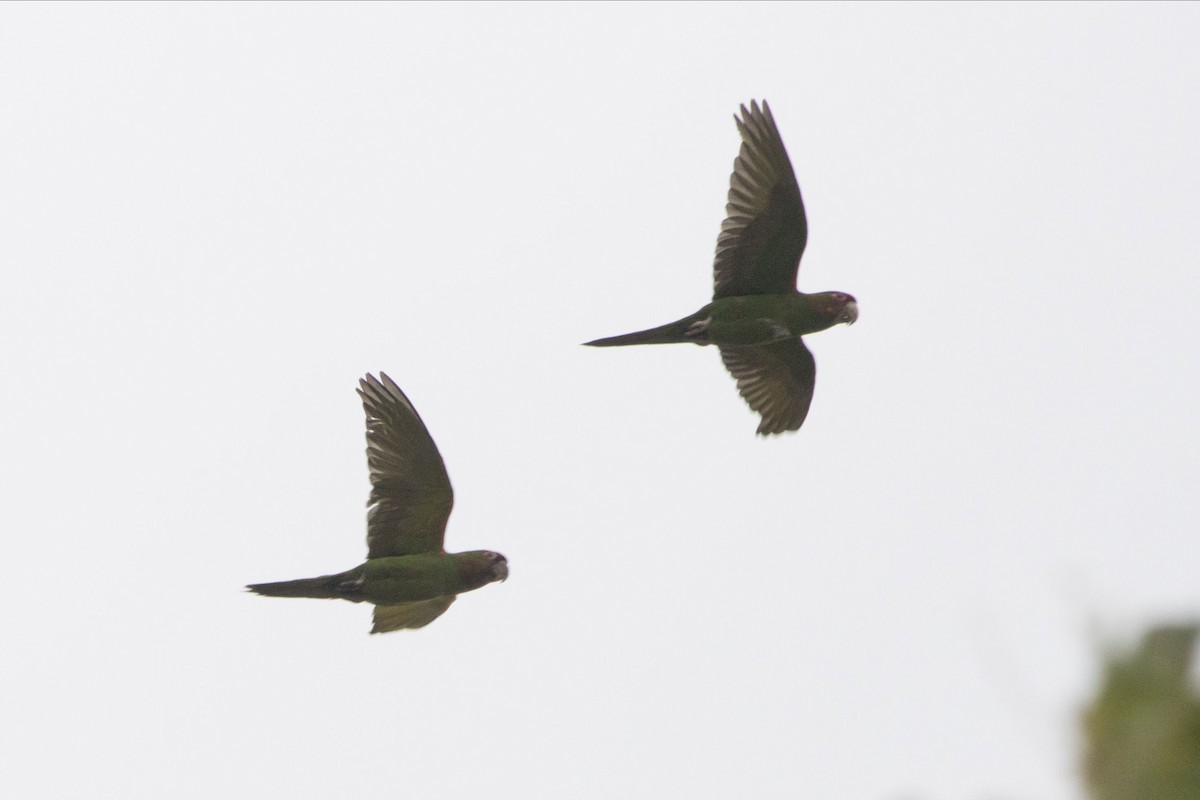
[{"x": 217, "y": 217}]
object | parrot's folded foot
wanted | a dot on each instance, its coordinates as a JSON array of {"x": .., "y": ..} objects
[{"x": 698, "y": 330}]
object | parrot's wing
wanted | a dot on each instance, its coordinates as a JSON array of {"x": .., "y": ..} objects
[
  {"x": 411, "y": 496},
  {"x": 764, "y": 232},
  {"x": 410, "y": 615},
  {"x": 777, "y": 381}
]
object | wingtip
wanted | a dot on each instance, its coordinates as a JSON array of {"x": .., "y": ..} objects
[
  {"x": 387, "y": 381},
  {"x": 776, "y": 427},
  {"x": 378, "y": 391},
  {"x": 367, "y": 382},
  {"x": 754, "y": 109}
]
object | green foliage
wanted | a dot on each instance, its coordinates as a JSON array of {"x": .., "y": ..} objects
[{"x": 1142, "y": 731}]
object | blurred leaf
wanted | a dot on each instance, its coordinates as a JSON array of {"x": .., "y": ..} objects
[{"x": 1142, "y": 731}]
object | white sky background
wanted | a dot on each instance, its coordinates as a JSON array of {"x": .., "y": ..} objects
[{"x": 216, "y": 218}]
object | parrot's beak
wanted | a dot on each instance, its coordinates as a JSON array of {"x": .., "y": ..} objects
[
  {"x": 849, "y": 313},
  {"x": 500, "y": 571}
]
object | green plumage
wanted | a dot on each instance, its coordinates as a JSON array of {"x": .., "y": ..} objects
[
  {"x": 743, "y": 321},
  {"x": 391, "y": 580},
  {"x": 757, "y": 317},
  {"x": 408, "y": 575}
]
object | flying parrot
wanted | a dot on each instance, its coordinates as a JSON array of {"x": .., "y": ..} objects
[
  {"x": 408, "y": 575},
  {"x": 757, "y": 317}
]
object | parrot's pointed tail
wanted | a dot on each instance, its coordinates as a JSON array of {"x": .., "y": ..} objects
[
  {"x": 325, "y": 587},
  {"x": 683, "y": 330}
]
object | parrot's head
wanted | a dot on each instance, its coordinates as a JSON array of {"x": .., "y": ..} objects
[
  {"x": 843, "y": 307},
  {"x": 480, "y": 567},
  {"x": 831, "y": 308},
  {"x": 498, "y": 565}
]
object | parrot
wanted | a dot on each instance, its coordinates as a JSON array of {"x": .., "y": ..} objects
[
  {"x": 408, "y": 575},
  {"x": 757, "y": 317}
]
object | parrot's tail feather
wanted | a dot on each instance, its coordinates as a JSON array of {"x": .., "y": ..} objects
[
  {"x": 671, "y": 333},
  {"x": 325, "y": 587}
]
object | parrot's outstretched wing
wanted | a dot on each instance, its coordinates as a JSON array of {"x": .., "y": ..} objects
[
  {"x": 410, "y": 615},
  {"x": 411, "y": 496},
  {"x": 777, "y": 380},
  {"x": 765, "y": 230}
]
